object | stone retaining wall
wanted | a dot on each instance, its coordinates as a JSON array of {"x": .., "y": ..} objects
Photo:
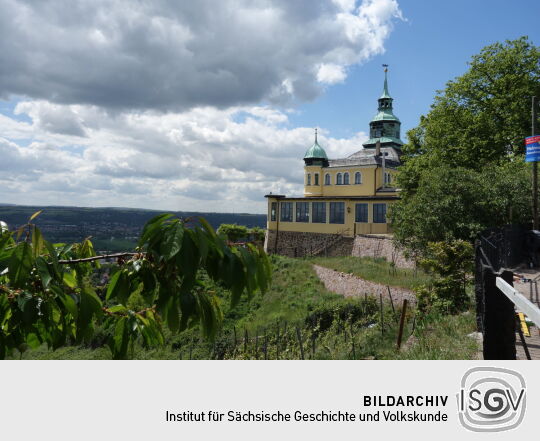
[
  {"x": 380, "y": 246},
  {"x": 297, "y": 244}
]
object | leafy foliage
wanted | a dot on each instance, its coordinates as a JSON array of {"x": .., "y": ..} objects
[
  {"x": 450, "y": 262},
  {"x": 235, "y": 233},
  {"x": 46, "y": 294},
  {"x": 463, "y": 165}
]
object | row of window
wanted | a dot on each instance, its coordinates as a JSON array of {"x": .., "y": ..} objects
[
  {"x": 318, "y": 211},
  {"x": 343, "y": 178}
]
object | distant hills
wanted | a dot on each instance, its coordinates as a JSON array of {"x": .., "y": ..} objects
[{"x": 111, "y": 229}]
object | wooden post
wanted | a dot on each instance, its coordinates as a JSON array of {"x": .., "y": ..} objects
[
  {"x": 299, "y": 336},
  {"x": 391, "y": 299},
  {"x": 256, "y": 343},
  {"x": 401, "y": 323},
  {"x": 499, "y": 318},
  {"x": 235, "y": 343},
  {"x": 382, "y": 317},
  {"x": 265, "y": 347},
  {"x": 313, "y": 337}
]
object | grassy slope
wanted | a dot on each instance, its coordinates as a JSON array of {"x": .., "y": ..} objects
[
  {"x": 297, "y": 293},
  {"x": 377, "y": 270}
]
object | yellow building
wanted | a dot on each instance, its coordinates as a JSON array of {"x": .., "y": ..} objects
[{"x": 342, "y": 197}]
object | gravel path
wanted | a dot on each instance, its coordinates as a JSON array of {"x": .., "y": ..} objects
[{"x": 352, "y": 286}]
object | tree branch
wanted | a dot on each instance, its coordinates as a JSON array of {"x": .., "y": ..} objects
[{"x": 101, "y": 257}]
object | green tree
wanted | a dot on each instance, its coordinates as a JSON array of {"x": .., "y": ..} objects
[
  {"x": 450, "y": 262},
  {"x": 233, "y": 232},
  {"x": 463, "y": 165},
  {"x": 457, "y": 203},
  {"x": 46, "y": 295}
]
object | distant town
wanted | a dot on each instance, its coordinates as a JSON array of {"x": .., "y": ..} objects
[{"x": 111, "y": 229}]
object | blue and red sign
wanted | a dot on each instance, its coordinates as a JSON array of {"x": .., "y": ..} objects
[{"x": 533, "y": 148}]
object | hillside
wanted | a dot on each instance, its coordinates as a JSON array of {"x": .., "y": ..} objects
[
  {"x": 111, "y": 229},
  {"x": 298, "y": 306}
]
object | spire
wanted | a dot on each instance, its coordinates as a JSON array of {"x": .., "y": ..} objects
[
  {"x": 385, "y": 93},
  {"x": 315, "y": 152}
]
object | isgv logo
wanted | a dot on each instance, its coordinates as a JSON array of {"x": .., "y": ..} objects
[{"x": 491, "y": 399}]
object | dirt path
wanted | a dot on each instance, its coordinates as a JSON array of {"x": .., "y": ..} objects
[{"x": 353, "y": 286}]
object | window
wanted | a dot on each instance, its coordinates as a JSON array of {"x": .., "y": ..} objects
[
  {"x": 379, "y": 213},
  {"x": 302, "y": 211},
  {"x": 326, "y": 179},
  {"x": 337, "y": 212},
  {"x": 319, "y": 212},
  {"x": 387, "y": 178},
  {"x": 286, "y": 211},
  {"x": 339, "y": 179},
  {"x": 273, "y": 211},
  {"x": 308, "y": 179},
  {"x": 361, "y": 213},
  {"x": 316, "y": 178},
  {"x": 358, "y": 178},
  {"x": 346, "y": 179}
]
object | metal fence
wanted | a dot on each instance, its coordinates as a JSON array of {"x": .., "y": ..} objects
[{"x": 498, "y": 252}]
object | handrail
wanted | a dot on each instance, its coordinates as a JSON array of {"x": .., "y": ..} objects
[{"x": 518, "y": 299}]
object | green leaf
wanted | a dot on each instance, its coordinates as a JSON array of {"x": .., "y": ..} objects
[
  {"x": 54, "y": 258},
  {"x": 69, "y": 279},
  {"x": 172, "y": 241},
  {"x": 37, "y": 242},
  {"x": 29, "y": 305},
  {"x": 152, "y": 226},
  {"x": 68, "y": 303},
  {"x": 36, "y": 214},
  {"x": 43, "y": 271},
  {"x": 119, "y": 287},
  {"x": 89, "y": 306},
  {"x": 208, "y": 228},
  {"x": 32, "y": 340},
  {"x": 20, "y": 265},
  {"x": 121, "y": 338},
  {"x": 118, "y": 308},
  {"x": 188, "y": 258},
  {"x": 5, "y": 239}
]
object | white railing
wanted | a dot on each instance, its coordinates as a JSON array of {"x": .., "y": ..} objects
[{"x": 522, "y": 303}]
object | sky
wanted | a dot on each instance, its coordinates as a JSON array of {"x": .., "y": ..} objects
[{"x": 208, "y": 106}]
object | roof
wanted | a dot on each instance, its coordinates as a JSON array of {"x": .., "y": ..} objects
[
  {"x": 383, "y": 139},
  {"x": 367, "y": 157},
  {"x": 385, "y": 115},
  {"x": 315, "y": 152}
]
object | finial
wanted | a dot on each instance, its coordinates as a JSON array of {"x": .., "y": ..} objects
[
  {"x": 315, "y": 135},
  {"x": 385, "y": 67}
]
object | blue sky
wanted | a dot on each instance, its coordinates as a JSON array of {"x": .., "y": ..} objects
[
  {"x": 430, "y": 48},
  {"x": 208, "y": 106}
]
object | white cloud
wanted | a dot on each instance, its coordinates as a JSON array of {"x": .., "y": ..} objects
[
  {"x": 331, "y": 74},
  {"x": 171, "y": 105},
  {"x": 202, "y": 159},
  {"x": 172, "y": 55}
]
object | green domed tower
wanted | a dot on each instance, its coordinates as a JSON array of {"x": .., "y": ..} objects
[
  {"x": 316, "y": 155},
  {"x": 385, "y": 126}
]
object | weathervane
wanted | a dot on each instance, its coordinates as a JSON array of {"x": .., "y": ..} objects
[
  {"x": 385, "y": 67},
  {"x": 315, "y": 134}
]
